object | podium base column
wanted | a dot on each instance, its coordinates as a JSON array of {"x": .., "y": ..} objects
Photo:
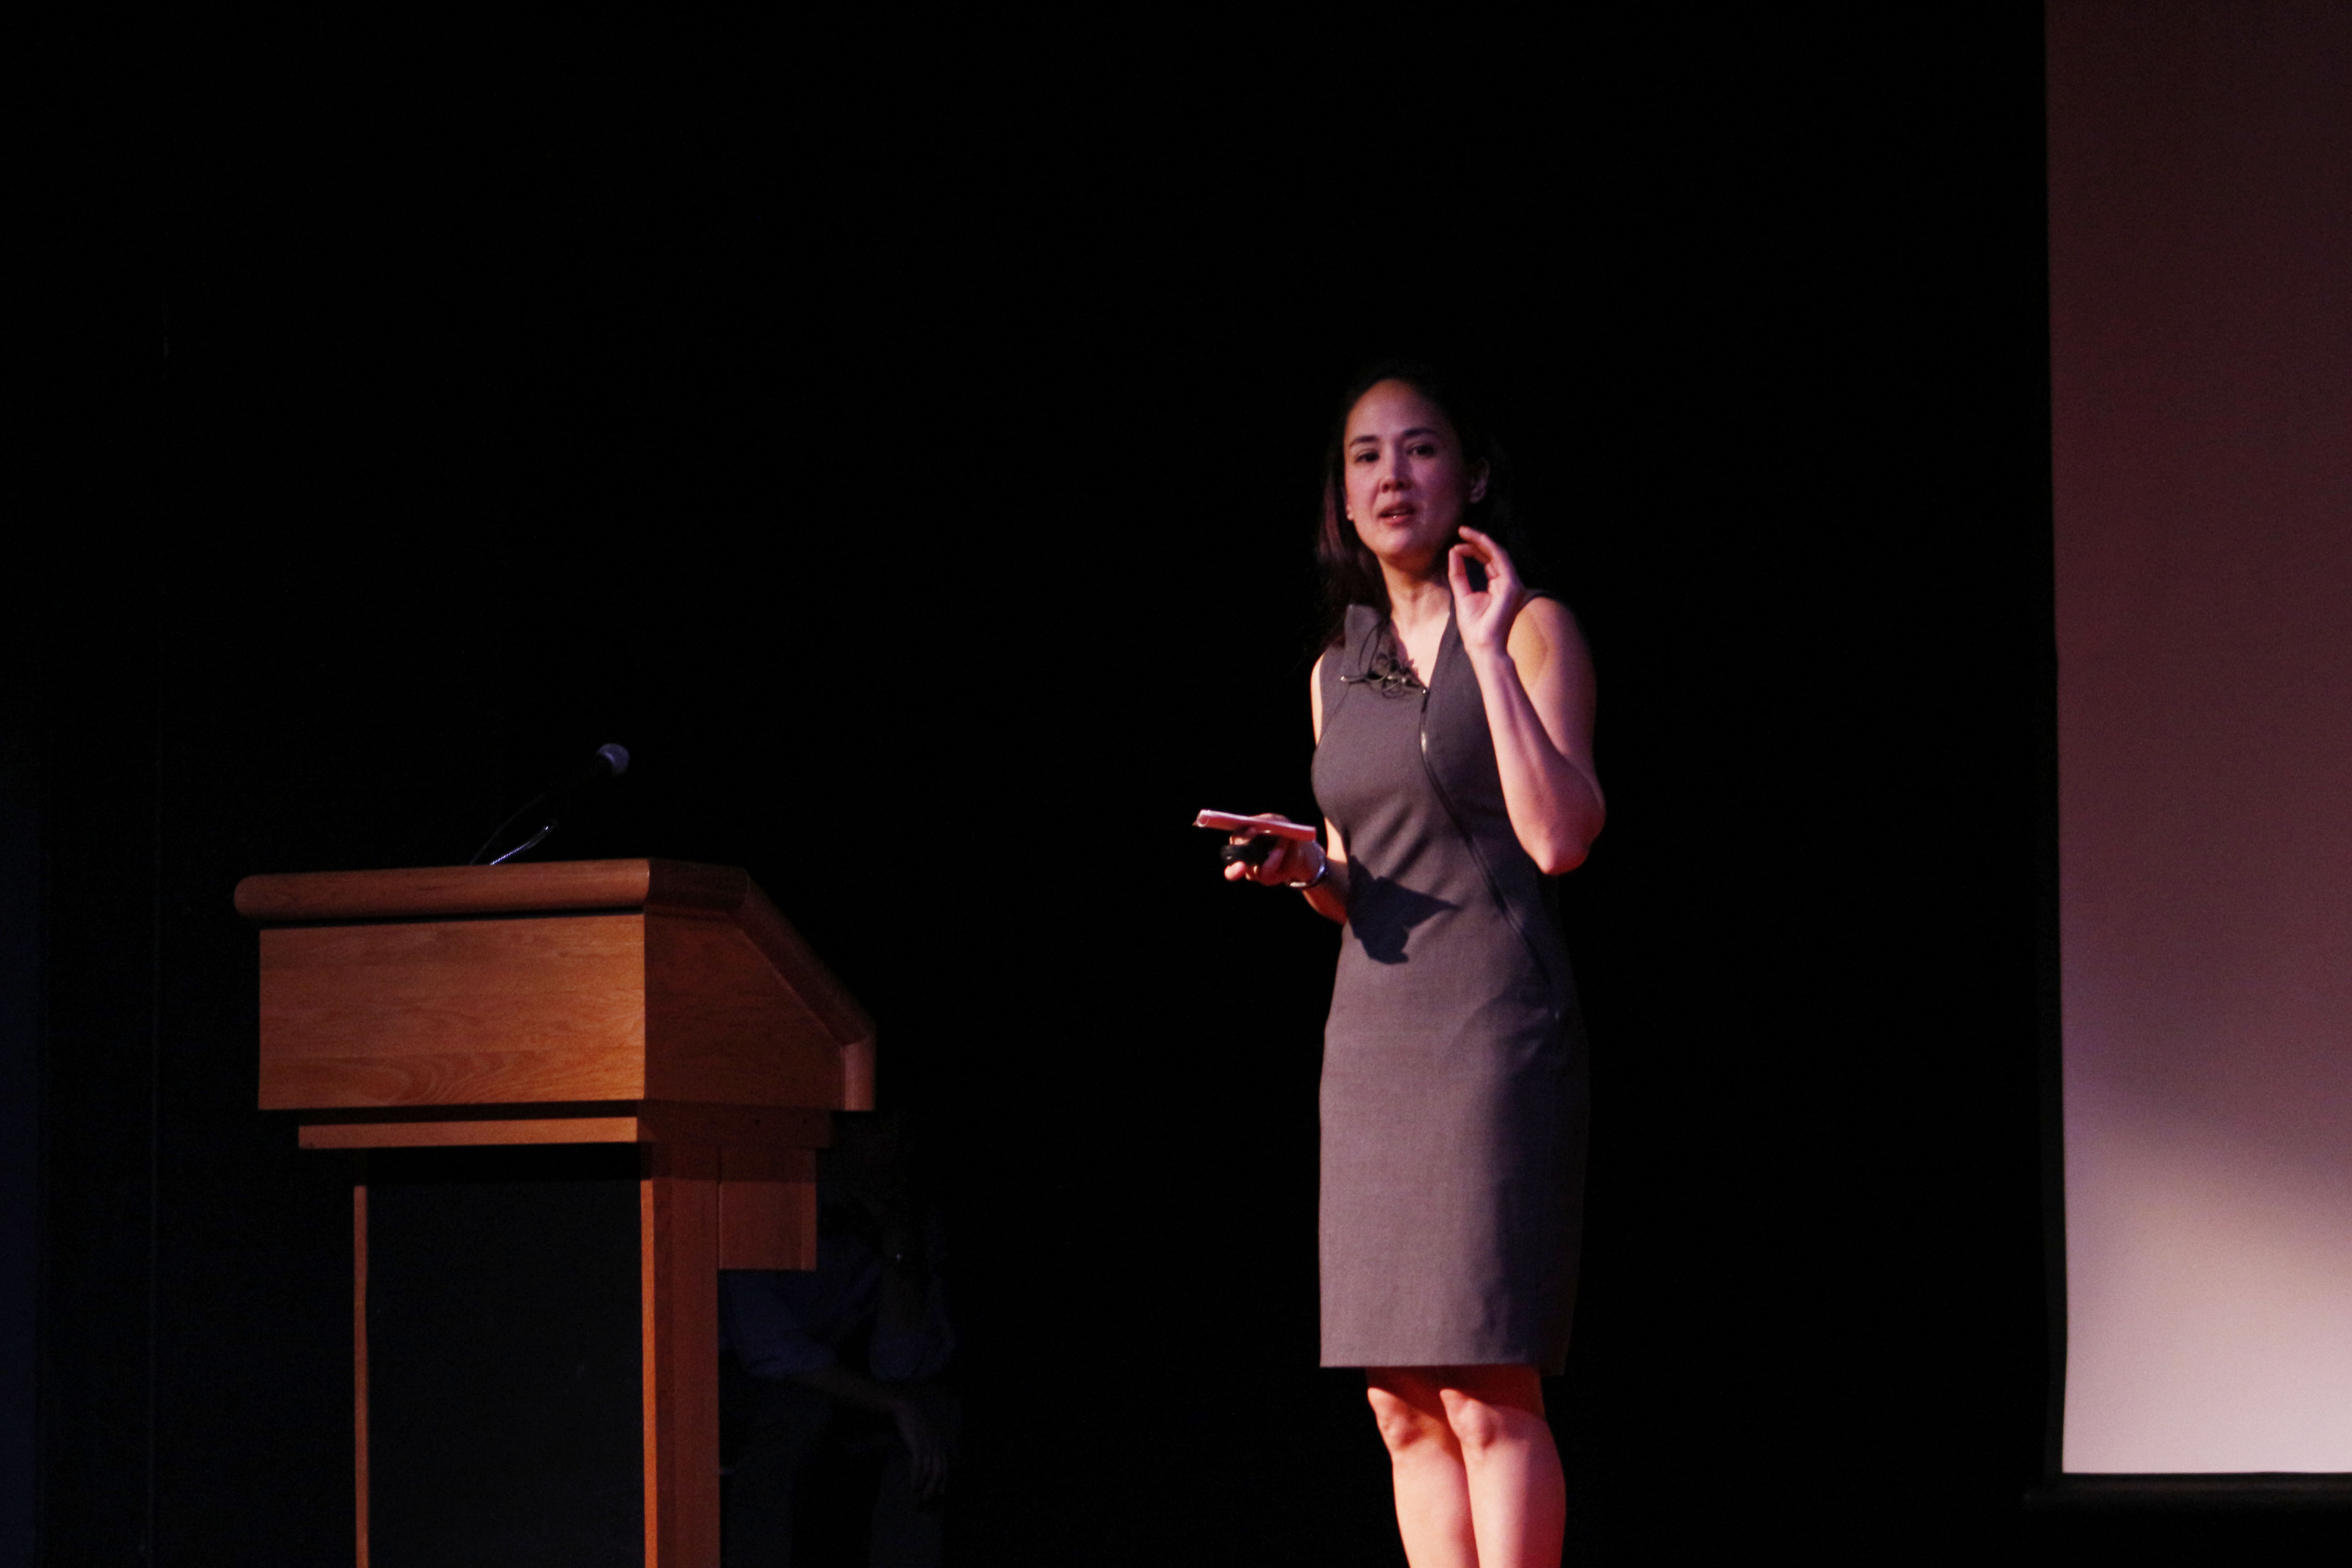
[{"x": 678, "y": 1243}]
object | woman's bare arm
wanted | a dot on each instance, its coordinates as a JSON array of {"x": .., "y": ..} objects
[
  {"x": 1328, "y": 897},
  {"x": 1535, "y": 677}
]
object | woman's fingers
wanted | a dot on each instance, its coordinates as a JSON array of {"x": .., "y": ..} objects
[
  {"x": 1496, "y": 559},
  {"x": 1241, "y": 870},
  {"x": 1504, "y": 594},
  {"x": 1282, "y": 864},
  {"x": 1265, "y": 870},
  {"x": 1457, "y": 571}
]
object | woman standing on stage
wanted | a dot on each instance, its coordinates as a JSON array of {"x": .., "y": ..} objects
[{"x": 1452, "y": 714}]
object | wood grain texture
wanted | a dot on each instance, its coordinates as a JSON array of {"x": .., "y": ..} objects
[
  {"x": 674, "y": 1007},
  {"x": 470, "y": 1133},
  {"x": 678, "y": 1252},
  {"x": 538, "y": 888},
  {"x": 744, "y": 1126},
  {"x": 709, "y": 996},
  {"x": 450, "y": 1013},
  {"x": 416, "y": 890},
  {"x": 723, "y": 1025},
  {"x": 802, "y": 969},
  {"x": 359, "y": 1366},
  {"x": 780, "y": 1126},
  {"x": 767, "y": 1208}
]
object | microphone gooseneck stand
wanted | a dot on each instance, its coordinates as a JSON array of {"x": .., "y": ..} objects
[{"x": 611, "y": 761}]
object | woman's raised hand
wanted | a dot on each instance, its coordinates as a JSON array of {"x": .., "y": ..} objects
[
  {"x": 1483, "y": 618},
  {"x": 1290, "y": 862}
]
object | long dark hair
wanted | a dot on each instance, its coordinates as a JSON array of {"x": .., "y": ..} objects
[{"x": 1352, "y": 576}]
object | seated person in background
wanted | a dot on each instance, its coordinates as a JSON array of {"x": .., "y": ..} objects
[{"x": 852, "y": 1347}]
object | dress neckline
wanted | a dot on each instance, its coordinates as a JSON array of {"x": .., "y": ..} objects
[{"x": 1383, "y": 662}]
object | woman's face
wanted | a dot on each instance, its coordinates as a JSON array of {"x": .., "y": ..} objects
[{"x": 1407, "y": 481}]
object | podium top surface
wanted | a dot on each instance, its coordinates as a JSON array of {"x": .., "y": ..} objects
[{"x": 670, "y": 886}]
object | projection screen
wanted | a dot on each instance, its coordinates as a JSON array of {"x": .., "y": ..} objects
[{"x": 2200, "y": 270}]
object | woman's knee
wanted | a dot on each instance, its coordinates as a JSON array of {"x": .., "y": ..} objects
[
  {"x": 1405, "y": 1424},
  {"x": 1477, "y": 1424},
  {"x": 1493, "y": 1406}
]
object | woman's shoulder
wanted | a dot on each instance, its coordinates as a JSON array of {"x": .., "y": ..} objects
[
  {"x": 1545, "y": 613},
  {"x": 1546, "y": 627},
  {"x": 1345, "y": 638}
]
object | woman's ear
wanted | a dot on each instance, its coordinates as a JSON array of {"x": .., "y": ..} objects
[{"x": 1478, "y": 485}]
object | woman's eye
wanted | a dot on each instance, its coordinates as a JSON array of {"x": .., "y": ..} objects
[{"x": 1365, "y": 456}]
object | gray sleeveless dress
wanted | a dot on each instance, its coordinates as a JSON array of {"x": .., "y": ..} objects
[{"x": 1454, "y": 1076}]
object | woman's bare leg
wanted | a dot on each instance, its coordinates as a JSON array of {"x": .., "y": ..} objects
[
  {"x": 1518, "y": 1498},
  {"x": 1433, "y": 1492}
]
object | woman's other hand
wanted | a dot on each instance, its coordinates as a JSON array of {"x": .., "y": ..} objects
[
  {"x": 1483, "y": 617},
  {"x": 1291, "y": 860}
]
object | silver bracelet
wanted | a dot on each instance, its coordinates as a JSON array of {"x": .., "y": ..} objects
[{"x": 1322, "y": 871}]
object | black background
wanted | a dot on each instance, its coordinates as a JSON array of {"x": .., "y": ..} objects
[
  {"x": 505, "y": 1392},
  {"x": 906, "y": 444}
]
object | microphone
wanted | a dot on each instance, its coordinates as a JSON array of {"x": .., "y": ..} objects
[{"x": 611, "y": 761}]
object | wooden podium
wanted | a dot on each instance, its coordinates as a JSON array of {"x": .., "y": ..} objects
[{"x": 656, "y": 1002}]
